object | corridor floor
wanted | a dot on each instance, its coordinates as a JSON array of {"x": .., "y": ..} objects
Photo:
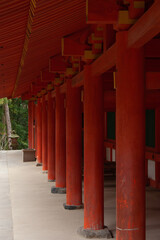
[{"x": 28, "y": 211}]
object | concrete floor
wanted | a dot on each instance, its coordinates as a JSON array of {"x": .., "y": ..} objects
[{"x": 28, "y": 211}]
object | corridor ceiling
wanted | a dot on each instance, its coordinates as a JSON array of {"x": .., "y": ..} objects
[{"x": 30, "y": 33}]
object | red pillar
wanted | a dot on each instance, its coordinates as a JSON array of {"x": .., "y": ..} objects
[
  {"x": 93, "y": 151},
  {"x": 60, "y": 144},
  {"x": 44, "y": 135},
  {"x": 30, "y": 124},
  {"x": 157, "y": 130},
  {"x": 130, "y": 141},
  {"x": 33, "y": 125},
  {"x": 73, "y": 147},
  {"x": 36, "y": 129},
  {"x": 51, "y": 138},
  {"x": 157, "y": 146},
  {"x": 93, "y": 156},
  {"x": 39, "y": 132}
]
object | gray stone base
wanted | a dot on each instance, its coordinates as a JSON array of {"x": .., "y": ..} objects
[
  {"x": 72, "y": 207},
  {"x": 45, "y": 171},
  {"x": 58, "y": 190},
  {"x": 38, "y": 164},
  {"x": 51, "y": 180},
  {"x": 89, "y": 233}
]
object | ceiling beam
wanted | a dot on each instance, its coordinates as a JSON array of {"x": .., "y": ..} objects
[
  {"x": 152, "y": 99},
  {"x": 101, "y": 65},
  {"x": 57, "y": 64},
  {"x": 105, "y": 62},
  {"x": 47, "y": 76},
  {"x": 147, "y": 27},
  {"x": 78, "y": 80},
  {"x": 74, "y": 45},
  {"x": 63, "y": 88},
  {"x": 102, "y": 11}
]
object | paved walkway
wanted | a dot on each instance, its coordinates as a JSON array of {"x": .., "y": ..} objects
[
  {"x": 37, "y": 214},
  {"x": 6, "y": 223}
]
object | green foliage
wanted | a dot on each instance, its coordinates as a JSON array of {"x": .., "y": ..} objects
[
  {"x": 1, "y": 101},
  {"x": 3, "y": 135},
  {"x": 2, "y": 125},
  {"x": 19, "y": 120}
]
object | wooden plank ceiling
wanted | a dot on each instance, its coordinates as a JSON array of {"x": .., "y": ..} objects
[
  {"x": 13, "y": 20},
  {"x": 30, "y": 33}
]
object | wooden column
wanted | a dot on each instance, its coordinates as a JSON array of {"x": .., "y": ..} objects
[
  {"x": 157, "y": 146},
  {"x": 130, "y": 141},
  {"x": 36, "y": 130},
  {"x": 51, "y": 138},
  {"x": 93, "y": 156},
  {"x": 33, "y": 125},
  {"x": 44, "y": 135},
  {"x": 93, "y": 151},
  {"x": 30, "y": 103},
  {"x": 60, "y": 144},
  {"x": 73, "y": 147},
  {"x": 39, "y": 132}
]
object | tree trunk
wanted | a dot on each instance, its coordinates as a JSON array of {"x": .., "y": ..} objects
[
  {"x": 8, "y": 123},
  {"x": 3, "y": 137}
]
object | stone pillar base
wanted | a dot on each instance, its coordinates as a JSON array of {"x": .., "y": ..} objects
[
  {"x": 58, "y": 190},
  {"x": 90, "y": 233},
  {"x": 45, "y": 171},
  {"x": 51, "y": 180},
  {"x": 72, "y": 207},
  {"x": 38, "y": 164}
]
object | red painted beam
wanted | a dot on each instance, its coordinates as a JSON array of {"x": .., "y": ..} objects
[
  {"x": 37, "y": 88},
  {"x": 78, "y": 80},
  {"x": 39, "y": 83},
  {"x": 71, "y": 47},
  {"x": 108, "y": 60},
  {"x": 75, "y": 44},
  {"x": 136, "y": 8},
  {"x": 152, "y": 99},
  {"x": 109, "y": 37},
  {"x": 47, "y": 76},
  {"x": 57, "y": 64},
  {"x": 26, "y": 96},
  {"x": 152, "y": 65},
  {"x": 153, "y": 80},
  {"x": 62, "y": 88},
  {"x": 102, "y": 11},
  {"x": 105, "y": 62},
  {"x": 53, "y": 94},
  {"x": 147, "y": 27},
  {"x": 152, "y": 49}
]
